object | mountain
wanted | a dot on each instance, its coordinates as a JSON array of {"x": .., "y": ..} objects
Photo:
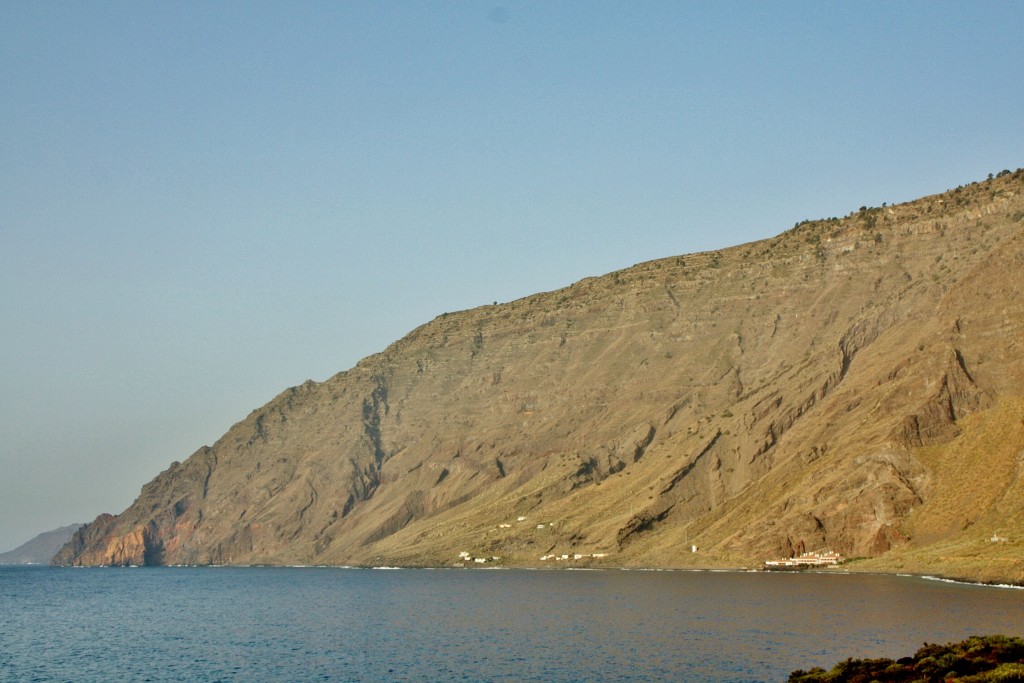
[
  {"x": 854, "y": 384},
  {"x": 42, "y": 548}
]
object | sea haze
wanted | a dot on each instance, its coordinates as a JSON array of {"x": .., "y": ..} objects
[{"x": 324, "y": 624}]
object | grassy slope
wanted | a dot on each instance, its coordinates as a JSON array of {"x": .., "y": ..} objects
[{"x": 979, "y": 492}]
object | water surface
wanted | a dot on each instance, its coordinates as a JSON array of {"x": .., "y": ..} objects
[{"x": 325, "y": 624}]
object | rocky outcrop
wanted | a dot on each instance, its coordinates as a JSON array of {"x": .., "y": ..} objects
[
  {"x": 758, "y": 401},
  {"x": 956, "y": 396}
]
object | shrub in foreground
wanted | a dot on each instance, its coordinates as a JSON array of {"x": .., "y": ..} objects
[{"x": 979, "y": 659}]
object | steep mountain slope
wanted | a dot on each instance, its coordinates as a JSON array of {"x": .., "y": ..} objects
[
  {"x": 783, "y": 395},
  {"x": 40, "y": 549}
]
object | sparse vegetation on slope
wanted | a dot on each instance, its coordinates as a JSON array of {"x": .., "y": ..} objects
[{"x": 813, "y": 391}]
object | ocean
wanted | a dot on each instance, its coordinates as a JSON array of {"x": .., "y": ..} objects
[{"x": 334, "y": 624}]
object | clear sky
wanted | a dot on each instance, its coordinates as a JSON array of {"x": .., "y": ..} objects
[{"x": 203, "y": 203}]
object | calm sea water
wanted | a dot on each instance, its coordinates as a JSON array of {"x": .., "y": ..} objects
[{"x": 320, "y": 624}]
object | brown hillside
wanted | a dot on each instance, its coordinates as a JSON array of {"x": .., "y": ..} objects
[{"x": 853, "y": 384}]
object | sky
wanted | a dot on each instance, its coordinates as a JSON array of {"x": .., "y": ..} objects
[{"x": 202, "y": 204}]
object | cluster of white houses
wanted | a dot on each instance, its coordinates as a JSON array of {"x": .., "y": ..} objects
[
  {"x": 824, "y": 559},
  {"x": 465, "y": 556},
  {"x": 566, "y": 556}
]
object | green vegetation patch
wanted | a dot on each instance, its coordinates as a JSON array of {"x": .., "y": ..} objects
[{"x": 979, "y": 659}]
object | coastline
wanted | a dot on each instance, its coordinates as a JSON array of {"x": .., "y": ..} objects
[{"x": 736, "y": 569}]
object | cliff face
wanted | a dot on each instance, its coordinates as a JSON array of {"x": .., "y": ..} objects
[{"x": 758, "y": 401}]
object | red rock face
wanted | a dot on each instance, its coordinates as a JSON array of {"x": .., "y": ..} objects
[
  {"x": 760, "y": 401},
  {"x": 95, "y": 544}
]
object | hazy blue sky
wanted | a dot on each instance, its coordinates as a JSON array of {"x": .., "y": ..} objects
[{"x": 202, "y": 204}]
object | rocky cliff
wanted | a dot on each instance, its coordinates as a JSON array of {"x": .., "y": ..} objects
[{"x": 815, "y": 390}]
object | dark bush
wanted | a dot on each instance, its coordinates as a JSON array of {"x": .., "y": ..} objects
[{"x": 979, "y": 659}]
